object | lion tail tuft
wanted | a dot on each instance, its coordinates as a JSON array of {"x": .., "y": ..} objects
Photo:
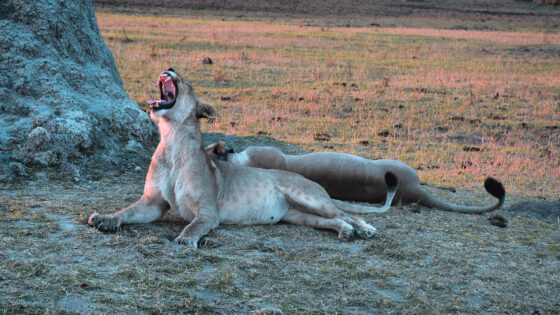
[{"x": 494, "y": 187}]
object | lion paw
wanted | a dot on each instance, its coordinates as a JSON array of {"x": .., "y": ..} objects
[
  {"x": 104, "y": 222},
  {"x": 346, "y": 232},
  {"x": 366, "y": 232},
  {"x": 188, "y": 241}
]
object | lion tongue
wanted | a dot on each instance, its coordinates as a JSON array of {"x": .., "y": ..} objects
[{"x": 157, "y": 103}]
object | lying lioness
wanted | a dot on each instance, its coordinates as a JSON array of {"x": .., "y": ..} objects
[
  {"x": 349, "y": 177},
  {"x": 206, "y": 193}
]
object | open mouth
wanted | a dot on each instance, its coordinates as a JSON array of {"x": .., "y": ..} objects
[{"x": 167, "y": 91}]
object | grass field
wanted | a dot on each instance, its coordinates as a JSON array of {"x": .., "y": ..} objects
[
  {"x": 429, "y": 262},
  {"x": 457, "y": 104}
]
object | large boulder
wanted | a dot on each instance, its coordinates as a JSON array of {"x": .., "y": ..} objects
[{"x": 61, "y": 96}]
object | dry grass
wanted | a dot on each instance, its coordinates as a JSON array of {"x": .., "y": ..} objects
[
  {"x": 421, "y": 96},
  {"x": 428, "y": 262},
  {"x": 485, "y": 15},
  {"x": 426, "y": 97},
  {"x": 517, "y": 38}
]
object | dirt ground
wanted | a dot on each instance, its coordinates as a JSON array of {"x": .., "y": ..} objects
[{"x": 422, "y": 261}]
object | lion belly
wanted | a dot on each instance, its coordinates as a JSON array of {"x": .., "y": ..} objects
[{"x": 268, "y": 207}]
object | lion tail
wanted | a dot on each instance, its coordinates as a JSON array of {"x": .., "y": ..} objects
[{"x": 492, "y": 186}]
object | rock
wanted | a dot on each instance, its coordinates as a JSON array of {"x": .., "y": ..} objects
[
  {"x": 17, "y": 169},
  {"x": 39, "y": 138},
  {"x": 322, "y": 137},
  {"x": 384, "y": 133},
  {"x": 105, "y": 162},
  {"x": 545, "y": 210},
  {"x": 12, "y": 171},
  {"x": 133, "y": 146},
  {"x": 498, "y": 220},
  {"x": 70, "y": 170},
  {"x": 268, "y": 311},
  {"x": 4, "y": 176},
  {"x": 471, "y": 149},
  {"x": 62, "y": 96}
]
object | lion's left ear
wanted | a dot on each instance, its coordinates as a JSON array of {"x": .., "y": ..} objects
[
  {"x": 205, "y": 110},
  {"x": 215, "y": 150}
]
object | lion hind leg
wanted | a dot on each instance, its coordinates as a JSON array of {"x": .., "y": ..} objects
[
  {"x": 324, "y": 207},
  {"x": 392, "y": 185},
  {"x": 345, "y": 230}
]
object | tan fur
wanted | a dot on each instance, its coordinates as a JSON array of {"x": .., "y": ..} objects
[
  {"x": 207, "y": 193},
  {"x": 345, "y": 176}
]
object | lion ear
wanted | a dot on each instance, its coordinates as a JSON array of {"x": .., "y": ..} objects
[
  {"x": 205, "y": 110},
  {"x": 215, "y": 150}
]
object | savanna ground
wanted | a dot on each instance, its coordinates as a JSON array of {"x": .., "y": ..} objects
[{"x": 459, "y": 99}]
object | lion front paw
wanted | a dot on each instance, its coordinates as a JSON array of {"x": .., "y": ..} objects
[
  {"x": 104, "y": 222},
  {"x": 188, "y": 241}
]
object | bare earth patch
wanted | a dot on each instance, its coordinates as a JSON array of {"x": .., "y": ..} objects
[{"x": 426, "y": 262}]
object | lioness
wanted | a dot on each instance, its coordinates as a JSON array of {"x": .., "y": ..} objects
[
  {"x": 349, "y": 177},
  {"x": 206, "y": 193}
]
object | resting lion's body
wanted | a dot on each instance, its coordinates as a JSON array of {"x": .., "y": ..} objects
[
  {"x": 344, "y": 176},
  {"x": 350, "y": 177},
  {"x": 206, "y": 193}
]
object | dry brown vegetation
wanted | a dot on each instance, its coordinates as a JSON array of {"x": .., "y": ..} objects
[
  {"x": 423, "y": 96},
  {"x": 458, "y": 104},
  {"x": 426, "y": 262}
]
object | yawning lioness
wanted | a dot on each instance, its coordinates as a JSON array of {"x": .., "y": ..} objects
[{"x": 206, "y": 193}]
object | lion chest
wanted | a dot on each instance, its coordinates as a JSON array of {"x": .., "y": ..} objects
[
  {"x": 178, "y": 190},
  {"x": 168, "y": 193}
]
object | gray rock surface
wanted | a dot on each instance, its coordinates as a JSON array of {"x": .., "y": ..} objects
[
  {"x": 547, "y": 210},
  {"x": 61, "y": 96}
]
